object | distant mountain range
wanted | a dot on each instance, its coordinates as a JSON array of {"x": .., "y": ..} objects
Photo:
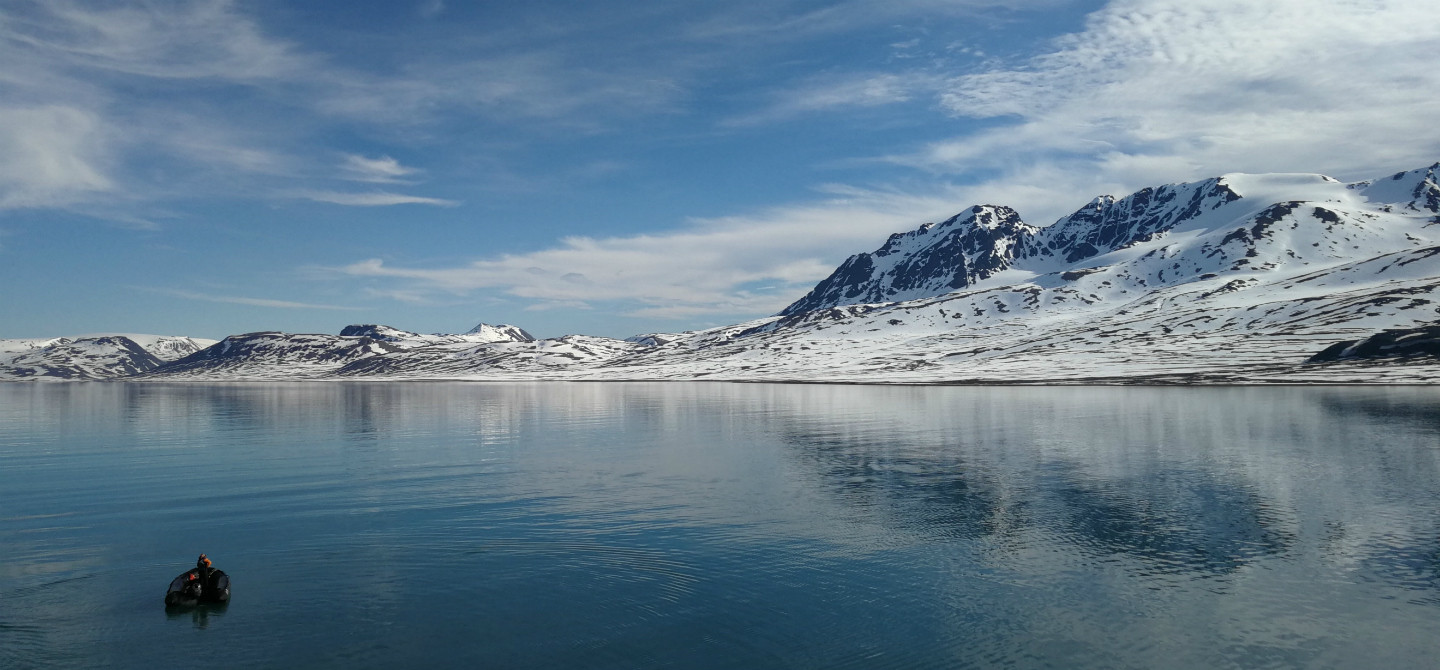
[{"x": 1240, "y": 278}]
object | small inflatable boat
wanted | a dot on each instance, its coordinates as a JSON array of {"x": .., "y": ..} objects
[{"x": 192, "y": 588}]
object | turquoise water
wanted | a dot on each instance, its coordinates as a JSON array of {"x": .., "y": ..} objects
[{"x": 677, "y": 525}]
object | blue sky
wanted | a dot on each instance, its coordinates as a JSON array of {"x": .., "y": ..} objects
[{"x": 614, "y": 168}]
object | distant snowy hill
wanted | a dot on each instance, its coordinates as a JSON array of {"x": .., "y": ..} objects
[
  {"x": 480, "y": 334},
  {"x": 500, "y": 333},
  {"x": 91, "y": 357},
  {"x": 1240, "y": 278},
  {"x": 307, "y": 356},
  {"x": 297, "y": 356}
]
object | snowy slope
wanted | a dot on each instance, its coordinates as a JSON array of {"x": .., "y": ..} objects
[
  {"x": 1240, "y": 278},
  {"x": 485, "y": 332},
  {"x": 91, "y": 357},
  {"x": 480, "y": 334},
  {"x": 169, "y": 347},
  {"x": 936, "y": 258},
  {"x": 82, "y": 359},
  {"x": 280, "y": 355}
]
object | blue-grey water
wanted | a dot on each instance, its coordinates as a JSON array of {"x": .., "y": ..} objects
[{"x": 677, "y": 525}]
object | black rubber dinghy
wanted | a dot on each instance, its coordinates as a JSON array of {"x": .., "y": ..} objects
[{"x": 187, "y": 590}]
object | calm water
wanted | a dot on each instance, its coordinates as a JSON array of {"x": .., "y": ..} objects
[{"x": 718, "y": 525}]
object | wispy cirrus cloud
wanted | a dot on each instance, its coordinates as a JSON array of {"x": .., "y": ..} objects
[
  {"x": 199, "y": 39},
  {"x": 52, "y": 156},
  {"x": 785, "y": 20},
  {"x": 1165, "y": 90},
  {"x": 371, "y": 199},
  {"x": 241, "y": 300},
  {"x": 192, "y": 98},
  {"x": 381, "y": 170},
  {"x": 1150, "y": 91},
  {"x": 120, "y": 106},
  {"x": 88, "y": 96},
  {"x": 843, "y": 92}
]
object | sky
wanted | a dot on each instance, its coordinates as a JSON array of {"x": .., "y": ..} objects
[{"x": 614, "y": 168}]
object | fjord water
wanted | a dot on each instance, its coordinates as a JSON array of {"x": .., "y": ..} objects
[{"x": 695, "y": 525}]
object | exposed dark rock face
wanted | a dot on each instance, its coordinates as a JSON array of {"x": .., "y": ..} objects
[
  {"x": 481, "y": 333},
  {"x": 1399, "y": 342},
  {"x": 1427, "y": 189},
  {"x": 369, "y": 330},
  {"x": 933, "y": 259},
  {"x": 985, "y": 240},
  {"x": 1107, "y": 224}
]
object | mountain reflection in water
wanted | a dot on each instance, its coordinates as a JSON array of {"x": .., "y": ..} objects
[{"x": 724, "y": 525}]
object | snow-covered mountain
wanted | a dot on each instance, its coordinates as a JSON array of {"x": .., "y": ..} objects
[
  {"x": 500, "y": 333},
  {"x": 308, "y": 356},
  {"x": 988, "y": 240},
  {"x": 91, "y": 357},
  {"x": 297, "y": 356},
  {"x": 1236, "y": 278},
  {"x": 933, "y": 259},
  {"x": 480, "y": 334}
]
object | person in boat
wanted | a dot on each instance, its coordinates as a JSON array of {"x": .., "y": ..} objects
[
  {"x": 202, "y": 584},
  {"x": 204, "y": 572}
]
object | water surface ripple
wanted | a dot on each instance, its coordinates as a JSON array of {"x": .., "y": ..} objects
[{"x": 710, "y": 525}]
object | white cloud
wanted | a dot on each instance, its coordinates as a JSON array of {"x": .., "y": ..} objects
[
  {"x": 532, "y": 87},
  {"x": 90, "y": 124},
  {"x": 253, "y": 302},
  {"x": 1167, "y": 90},
  {"x": 382, "y": 170},
  {"x": 372, "y": 199},
  {"x": 850, "y": 91},
  {"x": 1151, "y": 91},
  {"x": 185, "y": 40},
  {"x": 704, "y": 269},
  {"x": 51, "y": 156},
  {"x": 122, "y": 106},
  {"x": 784, "y": 20}
]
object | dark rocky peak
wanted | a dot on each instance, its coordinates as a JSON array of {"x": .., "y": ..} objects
[
  {"x": 898, "y": 241},
  {"x": 1415, "y": 190},
  {"x": 378, "y": 332},
  {"x": 967, "y": 224},
  {"x": 362, "y": 329},
  {"x": 1107, "y": 224},
  {"x": 1426, "y": 194},
  {"x": 932, "y": 259}
]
